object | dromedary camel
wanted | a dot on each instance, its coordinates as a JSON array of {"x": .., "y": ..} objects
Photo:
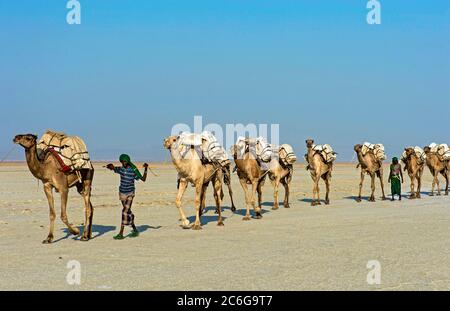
[
  {"x": 280, "y": 173},
  {"x": 249, "y": 173},
  {"x": 191, "y": 170},
  {"x": 318, "y": 168},
  {"x": 437, "y": 166},
  {"x": 373, "y": 167},
  {"x": 49, "y": 172},
  {"x": 414, "y": 166}
]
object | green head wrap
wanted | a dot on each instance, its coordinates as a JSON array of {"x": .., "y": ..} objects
[
  {"x": 395, "y": 160},
  {"x": 126, "y": 158}
]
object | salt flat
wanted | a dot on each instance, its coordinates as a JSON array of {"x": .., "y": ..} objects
[{"x": 301, "y": 248}]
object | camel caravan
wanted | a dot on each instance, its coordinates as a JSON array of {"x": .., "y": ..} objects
[{"x": 62, "y": 162}]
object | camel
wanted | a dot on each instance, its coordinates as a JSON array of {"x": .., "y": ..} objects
[
  {"x": 437, "y": 166},
  {"x": 414, "y": 166},
  {"x": 191, "y": 170},
  {"x": 250, "y": 173},
  {"x": 373, "y": 167},
  {"x": 318, "y": 168},
  {"x": 49, "y": 172},
  {"x": 280, "y": 173}
]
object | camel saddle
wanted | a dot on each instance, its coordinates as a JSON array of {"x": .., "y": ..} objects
[
  {"x": 376, "y": 149},
  {"x": 287, "y": 155},
  {"x": 420, "y": 154},
  {"x": 326, "y": 151},
  {"x": 207, "y": 147},
  {"x": 70, "y": 151},
  {"x": 259, "y": 146}
]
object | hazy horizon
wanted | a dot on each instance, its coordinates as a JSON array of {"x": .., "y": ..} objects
[{"x": 131, "y": 71}]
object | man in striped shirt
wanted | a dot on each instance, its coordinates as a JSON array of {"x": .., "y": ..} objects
[{"x": 128, "y": 174}]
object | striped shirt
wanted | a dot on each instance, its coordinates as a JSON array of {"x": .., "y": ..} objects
[{"x": 127, "y": 177}]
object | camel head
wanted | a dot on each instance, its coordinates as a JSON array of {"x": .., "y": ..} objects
[
  {"x": 309, "y": 143},
  {"x": 409, "y": 152},
  {"x": 27, "y": 140},
  {"x": 168, "y": 142},
  {"x": 357, "y": 148}
]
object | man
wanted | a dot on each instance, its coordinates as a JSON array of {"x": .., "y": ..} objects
[
  {"x": 396, "y": 179},
  {"x": 128, "y": 174}
]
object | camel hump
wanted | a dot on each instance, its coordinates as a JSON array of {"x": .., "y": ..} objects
[
  {"x": 287, "y": 155},
  {"x": 72, "y": 149}
]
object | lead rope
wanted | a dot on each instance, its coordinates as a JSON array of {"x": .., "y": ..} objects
[{"x": 8, "y": 153}]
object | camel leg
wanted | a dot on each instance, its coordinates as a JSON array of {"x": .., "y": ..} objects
[
  {"x": 181, "y": 189},
  {"x": 286, "y": 193},
  {"x": 412, "y": 186},
  {"x": 48, "y": 189},
  {"x": 317, "y": 190},
  {"x": 259, "y": 192},
  {"x": 203, "y": 199},
  {"x": 419, "y": 184},
  {"x": 275, "y": 184},
  {"x": 437, "y": 183},
  {"x": 445, "y": 174},
  {"x": 230, "y": 191},
  {"x": 198, "y": 191},
  {"x": 327, "y": 184},
  {"x": 313, "y": 201},
  {"x": 372, "y": 187},
  {"x": 88, "y": 213},
  {"x": 247, "y": 199},
  {"x": 361, "y": 183},
  {"x": 217, "y": 190},
  {"x": 382, "y": 185},
  {"x": 432, "y": 183},
  {"x": 64, "y": 218}
]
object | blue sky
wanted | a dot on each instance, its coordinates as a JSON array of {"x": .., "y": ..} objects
[{"x": 133, "y": 69}]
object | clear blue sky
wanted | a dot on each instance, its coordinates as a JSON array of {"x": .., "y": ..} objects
[{"x": 133, "y": 69}]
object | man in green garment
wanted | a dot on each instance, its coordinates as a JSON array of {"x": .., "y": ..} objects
[{"x": 396, "y": 179}]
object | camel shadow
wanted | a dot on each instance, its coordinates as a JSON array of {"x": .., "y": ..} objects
[
  {"x": 206, "y": 219},
  {"x": 309, "y": 201},
  {"x": 97, "y": 230},
  {"x": 143, "y": 228},
  {"x": 355, "y": 198},
  {"x": 243, "y": 211}
]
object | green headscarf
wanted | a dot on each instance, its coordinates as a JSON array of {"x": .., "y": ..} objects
[
  {"x": 394, "y": 160},
  {"x": 126, "y": 158}
]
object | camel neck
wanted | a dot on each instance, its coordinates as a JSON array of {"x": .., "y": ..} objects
[
  {"x": 361, "y": 158},
  {"x": 33, "y": 162}
]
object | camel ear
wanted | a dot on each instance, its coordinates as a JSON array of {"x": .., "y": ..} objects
[{"x": 34, "y": 136}]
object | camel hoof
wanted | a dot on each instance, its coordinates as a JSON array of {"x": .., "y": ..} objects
[
  {"x": 258, "y": 216},
  {"x": 75, "y": 232},
  {"x": 318, "y": 203},
  {"x": 274, "y": 208},
  {"x": 371, "y": 200},
  {"x": 358, "y": 200},
  {"x": 286, "y": 205},
  {"x": 233, "y": 209},
  {"x": 431, "y": 194},
  {"x": 220, "y": 223},
  {"x": 47, "y": 241},
  {"x": 84, "y": 238},
  {"x": 246, "y": 218},
  {"x": 196, "y": 227},
  {"x": 186, "y": 226},
  {"x": 327, "y": 202}
]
